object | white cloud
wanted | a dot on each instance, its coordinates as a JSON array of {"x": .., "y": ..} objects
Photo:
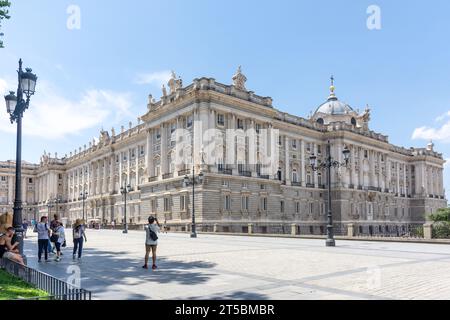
[
  {"x": 53, "y": 116},
  {"x": 443, "y": 116},
  {"x": 155, "y": 78},
  {"x": 447, "y": 163},
  {"x": 437, "y": 134}
]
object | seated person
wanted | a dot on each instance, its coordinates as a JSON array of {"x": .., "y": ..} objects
[{"x": 8, "y": 250}]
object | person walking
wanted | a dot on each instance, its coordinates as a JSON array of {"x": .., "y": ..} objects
[
  {"x": 43, "y": 238},
  {"x": 54, "y": 238},
  {"x": 151, "y": 241},
  {"x": 25, "y": 228},
  {"x": 60, "y": 242},
  {"x": 79, "y": 236}
]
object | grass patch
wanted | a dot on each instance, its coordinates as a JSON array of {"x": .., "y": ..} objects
[{"x": 14, "y": 288}]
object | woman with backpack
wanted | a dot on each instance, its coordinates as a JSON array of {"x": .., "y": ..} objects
[
  {"x": 60, "y": 241},
  {"x": 151, "y": 241},
  {"x": 79, "y": 236}
]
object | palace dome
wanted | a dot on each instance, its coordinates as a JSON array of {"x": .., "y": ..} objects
[{"x": 334, "y": 107}]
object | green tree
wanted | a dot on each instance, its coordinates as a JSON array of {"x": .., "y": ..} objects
[
  {"x": 4, "y": 14},
  {"x": 441, "y": 223}
]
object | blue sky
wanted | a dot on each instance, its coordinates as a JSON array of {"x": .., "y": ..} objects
[{"x": 100, "y": 75}]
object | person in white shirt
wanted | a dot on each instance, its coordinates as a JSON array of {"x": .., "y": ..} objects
[
  {"x": 43, "y": 232},
  {"x": 151, "y": 241},
  {"x": 61, "y": 233}
]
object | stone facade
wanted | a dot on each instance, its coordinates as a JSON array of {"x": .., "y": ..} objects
[{"x": 384, "y": 188}]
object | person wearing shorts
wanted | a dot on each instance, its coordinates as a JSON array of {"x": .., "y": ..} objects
[{"x": 151, "y": 241}]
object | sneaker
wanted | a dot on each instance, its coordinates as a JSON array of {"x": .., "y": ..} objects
[
  {"x": 154, "y": 267},
  {"x": 73, "y": 257},
  {"x": 145, "y": 266},
  {"x": 39, "y": 261},
  {"x": 58, "y": 259}
]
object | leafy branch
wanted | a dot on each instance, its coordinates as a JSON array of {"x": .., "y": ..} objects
[{"x": 4, "y": 14}]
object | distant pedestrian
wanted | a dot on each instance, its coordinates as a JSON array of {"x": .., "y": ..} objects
[
  {"x": 43, "y": 238},
  {"x": 79, "y": 236},
  {"x": 60, "y": 242},
  {"x": 113, "y": 225},
  {"x": 25, "y": 228},
  {"x": 151, "y": 241}
]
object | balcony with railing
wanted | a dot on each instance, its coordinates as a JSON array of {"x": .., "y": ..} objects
[
  {"x": 184, "y": 172},
  {"x": 167, "y": 175},
  {"x": 152, "y": 179},
  {"x": 245, "y": 173}
]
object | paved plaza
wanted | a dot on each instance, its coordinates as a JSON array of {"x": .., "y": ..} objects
[{"x": 241, "y": 267}]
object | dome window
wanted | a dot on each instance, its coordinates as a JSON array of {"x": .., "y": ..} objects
[
  {"x": 353, "y": 121},
  {"x": 320, "y": 121}
]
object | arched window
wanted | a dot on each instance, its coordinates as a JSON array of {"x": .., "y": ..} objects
[
  {"x": 294, "y": 176},
  {"x": 353, "y": 121},
  {"x": 320, "y": 121}
]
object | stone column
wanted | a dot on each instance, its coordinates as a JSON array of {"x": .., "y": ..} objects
[
  {"x": 287, "y": 171},
  {"x": 24, "y": 190},
  {"x": 315, "y": 173},
  {"x": 361, "y": 168},
  {"x": 105, "y": 175},
  {"x": 137, "y": 167},
  {"x": 164, "y": 165},
  {"x": 398, "y": 177},
  {"x": 128, "y": 167},
  {"x": 302, "y": 152},
  {"x": 388, "y": 174},
  {"x": 149, "y": 154},
  {"x": 404, "y": 180},
  {"x": 10, "y": 189},
  {"x": 112, "y": 174},
  {"x": 120, "y": 171}
]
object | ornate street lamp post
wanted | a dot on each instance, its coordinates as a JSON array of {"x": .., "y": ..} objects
[
  {"x": 193, "y": 181},
  {"x": 124, "y": 191},
  {"x": 83, "y": 197},
  {"x": 16, "y": 106},
  {"x": 328, "y": 164}
]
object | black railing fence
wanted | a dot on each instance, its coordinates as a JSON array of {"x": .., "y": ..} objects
[{"x": 56, "y": 288}]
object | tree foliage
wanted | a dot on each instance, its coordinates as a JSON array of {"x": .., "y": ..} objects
[
  {"x": 441, "y": 223},
  {"x": 4, "y": 14}
]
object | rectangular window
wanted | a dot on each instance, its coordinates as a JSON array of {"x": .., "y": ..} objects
[
  {"x": 189, "y": 122},
  {"x": 166, "y": 204},
  {"x": 240, "y": 124},
  {"x": 245, "y": 203},
  {"x": 319, "y": 149},
  {"x": 282, "y": 206},
  {"x": 153, "y": 205},
  {"x": 308, "y": 147},
  {"x": 311, "y": 208},
  {"x": 297, "y": 207},
  {"x": 264, "y": 204},
  {"x": 280, "y": 140},
  {"x": 142, "y": 150},
  {"x": 3, "y": 178},
  {"x": 258, "y": 128},
  {"x": 182, "y": 203},
  {"x": 294, "y": 144},
  {"x": 227, "y": 203},
  {"x": 220, "y": 119},
  {"x": 30, "y": 180}
]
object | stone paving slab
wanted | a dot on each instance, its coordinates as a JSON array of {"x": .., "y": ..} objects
[{"x": 239, "y": 267}]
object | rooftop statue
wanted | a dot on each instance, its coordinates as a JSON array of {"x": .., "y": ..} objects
[{"x": 239, "y": 80}]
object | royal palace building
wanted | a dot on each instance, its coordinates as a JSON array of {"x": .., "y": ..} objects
[{"x": 250, "y": 164}]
